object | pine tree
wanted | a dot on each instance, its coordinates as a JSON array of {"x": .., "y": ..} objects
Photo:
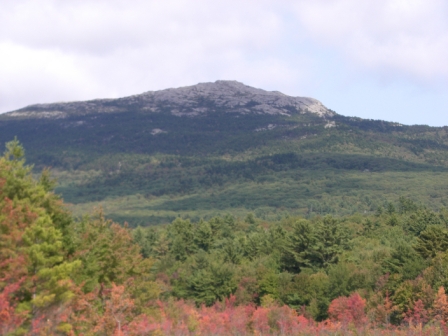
[
  {"x": 299, "y": 247},
  {"x": 431, "y": 241},
  {"x": 181, "y": 234},
  {"x": 31, "y": 249},
  {"x": 232, "y": 250},
  {"x": 203, "y": 236},
  {"x": 109, "y": 255},
  {"x": 331, "y": 240}
]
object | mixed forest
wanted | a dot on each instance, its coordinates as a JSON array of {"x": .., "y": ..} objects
[
  {"x": 227, "y": 163},
  {"x": 378, "y": 273}
]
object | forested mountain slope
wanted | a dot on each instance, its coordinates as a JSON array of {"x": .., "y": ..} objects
[{"x": 223, "y": 147}]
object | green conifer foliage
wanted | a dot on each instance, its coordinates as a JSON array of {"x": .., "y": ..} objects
[
  {"x": 332, "y": 240},
  {"x": 299, "y": 247},
  {"x": 108, "y": 253},
  {"x": 31, "y": 237},
  {"x": 431, "y": 241},
  {"x": 203, "y": 236},
  {"x": 182, "y": 235}
]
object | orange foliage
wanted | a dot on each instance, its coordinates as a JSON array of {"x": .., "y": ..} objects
[
  {"x": 440, "y": 306},
  {"x": 348, "y": 310}
]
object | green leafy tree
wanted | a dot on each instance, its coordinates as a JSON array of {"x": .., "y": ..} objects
[
  {"x": 210, "y": 280},
  {"x": 345, "y": 278},
  {"x": 405, "y": 261},
  {"x": 406, "y": 205}
]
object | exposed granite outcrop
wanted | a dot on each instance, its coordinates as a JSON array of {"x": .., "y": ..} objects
[{"x": 195, "y": 100}]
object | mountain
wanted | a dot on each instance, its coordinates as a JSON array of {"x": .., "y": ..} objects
[
  {"x": 225, "y": 147},
  {"x": 196, "y": 100}
]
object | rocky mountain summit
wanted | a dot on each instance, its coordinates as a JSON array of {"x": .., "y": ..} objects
[{"x": 195, "y": 100}]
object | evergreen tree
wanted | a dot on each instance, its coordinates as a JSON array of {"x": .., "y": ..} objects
[
  {"x": 299, "y": 247},
  {"x": 431, "y": 241},
  {"x": 331, "y": 240},
  {"x": 50, "y": 273},
  {"x": 203, "y": 236},
  {"x": 181, "y": 235},
  {"x": 32, "y": 246},
  {"x": 233, "y": 250}
]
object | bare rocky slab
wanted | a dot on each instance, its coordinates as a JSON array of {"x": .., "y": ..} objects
[{"x": 191, "y": 101}]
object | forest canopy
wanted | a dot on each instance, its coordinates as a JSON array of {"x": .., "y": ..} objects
[{"x": 61, "y": 275}]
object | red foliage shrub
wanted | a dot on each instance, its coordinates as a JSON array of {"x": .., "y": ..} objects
[
  {"x": 418, "y": 315},
  {"x": 348, "y": 310},
  {"x": 9, "y": 319},
  {"x": 260, "y": 321}
]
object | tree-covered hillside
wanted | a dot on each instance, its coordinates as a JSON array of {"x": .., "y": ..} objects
[{"x": 148, "y": 160}]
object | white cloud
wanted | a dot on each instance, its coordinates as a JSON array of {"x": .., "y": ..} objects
[
  {"x": 402, "y": 37},
  {"x": 105, "y": 26},
  {"x": 53, "y": 50},
  {"x": 30, "y": 75}
]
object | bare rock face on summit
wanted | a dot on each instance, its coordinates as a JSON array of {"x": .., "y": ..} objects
[
  {"x": 196, "y": 100},
  {"x": 233, "y": 97}
]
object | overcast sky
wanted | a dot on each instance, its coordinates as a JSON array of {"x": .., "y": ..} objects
[{"x": 377, "y": 59}]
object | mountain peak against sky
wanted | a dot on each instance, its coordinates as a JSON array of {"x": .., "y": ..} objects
[
  {"x": 234, "y": 96},
  {"x": 220, "y": 96},
  {"x": 224, "y": 87}
]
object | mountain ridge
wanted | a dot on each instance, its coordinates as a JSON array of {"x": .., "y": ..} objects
[
  {"x": 223, "y": 147},
  {"x": 233, "y": 96}
]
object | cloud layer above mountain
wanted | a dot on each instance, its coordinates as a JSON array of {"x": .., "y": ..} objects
[{"x": 373, "y": 58}]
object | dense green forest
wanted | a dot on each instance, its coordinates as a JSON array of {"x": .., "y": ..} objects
[
  {"x": 223, "y": 163},
  {"x": 381, "y": 272}
]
